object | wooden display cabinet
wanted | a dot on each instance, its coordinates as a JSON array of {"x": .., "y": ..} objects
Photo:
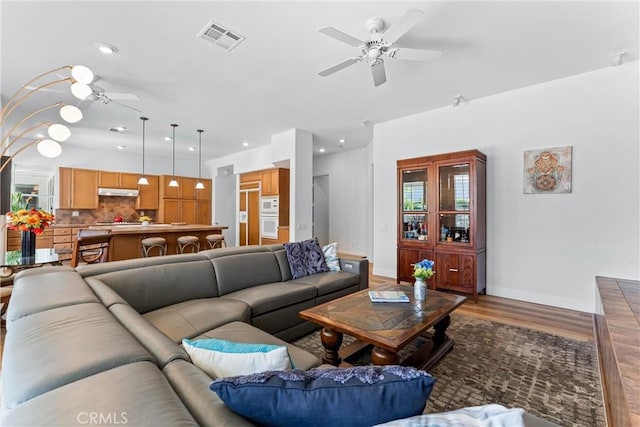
[{"x": 442, "y": 217}]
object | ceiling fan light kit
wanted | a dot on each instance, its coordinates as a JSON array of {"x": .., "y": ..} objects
[{"x": 374, "y": 50}]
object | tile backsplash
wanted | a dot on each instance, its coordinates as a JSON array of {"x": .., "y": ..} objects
[{"x": 108, "y": 208}]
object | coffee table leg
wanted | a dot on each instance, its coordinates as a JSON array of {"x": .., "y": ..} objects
[
  {"x": 440, "y": 329},
  {"x": 331, "y": 340},
  {"x": 380, "y": 356}
]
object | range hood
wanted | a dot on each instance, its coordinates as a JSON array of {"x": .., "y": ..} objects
[{"x": 121, "y": 192}]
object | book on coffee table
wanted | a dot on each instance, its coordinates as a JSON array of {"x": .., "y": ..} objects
[{"x": 388, "y": 296}]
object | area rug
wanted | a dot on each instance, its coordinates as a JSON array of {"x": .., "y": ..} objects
[{"x": 551, "y": 377}]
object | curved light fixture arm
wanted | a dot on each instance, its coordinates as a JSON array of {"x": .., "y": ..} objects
[
  {"x": 57, "y": 104},
  {"x": 8, "y": 161},
  {"x": 67, "y": 67},
  {"x": 4, "y": 114},
  {"x": 14, "y": 140}
]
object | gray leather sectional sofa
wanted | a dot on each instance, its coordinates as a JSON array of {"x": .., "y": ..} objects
[{"x": 100, "y": 344}]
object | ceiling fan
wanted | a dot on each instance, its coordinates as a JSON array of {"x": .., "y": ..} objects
[
  {"x": 381, "y": 44},
  {"x": 98, "y": 94}
]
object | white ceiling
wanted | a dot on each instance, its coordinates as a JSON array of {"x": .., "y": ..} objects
[{"x": 269, "y": 83}]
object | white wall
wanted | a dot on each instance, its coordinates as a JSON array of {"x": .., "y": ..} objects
[
  {"x": 224, "y": 205},
  {"x": 349, "y": 205},
  {"x": 540, "y": 248}
]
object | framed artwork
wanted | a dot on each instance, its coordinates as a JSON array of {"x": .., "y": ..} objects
[{"x": 547, "y": 170}]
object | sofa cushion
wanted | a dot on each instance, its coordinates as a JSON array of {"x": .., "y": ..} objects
[
  {"x": 53, "y": 287},
  {"x": 241, "y": 271},
  {"x": 305, "y": 258},
  {"x": 242, "y": 332},
  {"x": 152, "y": 287},
  {"x": 358, "y": 396},
  {"x": 135, "y": 394},
  {"x": 192, "y": 385},
  {"x": 52, "y": 348},
  {"x": 163, "y": 348},
  {"x": 273, "y": 296},
  {"x": 191, "y": 318},
  {"x": 222, "y": 358},
  {"x": 329, "y": 282}
]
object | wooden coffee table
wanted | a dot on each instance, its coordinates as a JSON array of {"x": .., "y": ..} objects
[{"x": 389, "y": 327}]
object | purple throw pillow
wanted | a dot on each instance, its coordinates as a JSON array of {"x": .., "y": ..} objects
[{"x": 305, "y": 258}]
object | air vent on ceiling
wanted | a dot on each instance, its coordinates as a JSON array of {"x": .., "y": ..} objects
[{"x": 220, "y": 36}]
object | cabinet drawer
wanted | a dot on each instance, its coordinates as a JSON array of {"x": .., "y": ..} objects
[
  {"x": 455, "y": 271},
  {"x": 62, "y": 239},
  {"x": 62, "y": 231}
]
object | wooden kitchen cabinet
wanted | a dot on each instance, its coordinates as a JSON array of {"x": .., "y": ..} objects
[
  {"x": 442, "y": 217},
  {"x": 184, "y": 203},
  {"x": 78, "y": 188},
  {"x": 148, "y": 194},
  {"x": 269, "y": 180},
  {"x": 44, "y": 240},
  {"x": 108, "y": 179}
]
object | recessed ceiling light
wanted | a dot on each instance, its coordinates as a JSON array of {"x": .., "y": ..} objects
[
  {"x": 167, "y": 138},
  {"x": 119, "y": 129},
  {"x": 192, "y": 148},
  {"x": 120, "y": 147},
  {"x": 322, "y": 150},
  {"x": 106, "y": 48},
  {"x": 342, "y": 141},
  {"x": 39, "y": 135},
  {"x": 245, "y": 144}
]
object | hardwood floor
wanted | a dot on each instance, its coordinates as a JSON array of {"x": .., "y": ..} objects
[{"x": 571, "y": 324}]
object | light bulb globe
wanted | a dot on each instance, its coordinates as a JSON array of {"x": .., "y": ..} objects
[
  {"x": 143, "y": 181},
  {"x": 59, "y": 132},
  {"x": 49, "y": 148},
  {"x": 71, "y": 114},
  {"x": 81, "y": 90},
  {"x": 82, "y": 74},
  {"x": 173, "y": 183},
  {"x": 199, "y": 186}
]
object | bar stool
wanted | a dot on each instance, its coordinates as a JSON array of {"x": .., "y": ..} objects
[
  {"x": 185, "y": 241},
  {"x": 153, "y": 242},
  {"x": 216, "y": 241}
]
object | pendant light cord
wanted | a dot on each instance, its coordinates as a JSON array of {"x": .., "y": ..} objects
[
  {"x": 200, "y": 154},
  {"x": 144, "y": 121},
  {"x": 174, "y": 126}
]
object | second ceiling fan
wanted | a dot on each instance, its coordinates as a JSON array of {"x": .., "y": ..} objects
[{"x": 380, "y": 45}]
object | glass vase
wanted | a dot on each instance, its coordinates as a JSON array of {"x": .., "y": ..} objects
[
  {"x": 28, "y": 245},
  {"x": 419, "y": 290}
]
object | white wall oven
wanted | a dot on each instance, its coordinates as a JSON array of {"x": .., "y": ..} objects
[{"x": 269, "y": 226}]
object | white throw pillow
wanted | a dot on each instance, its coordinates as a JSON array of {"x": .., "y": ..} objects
[
  {"x": 220, "y": 358},
  {"x": 330, "y": 252},
  {"x": 491, "y": 415}
]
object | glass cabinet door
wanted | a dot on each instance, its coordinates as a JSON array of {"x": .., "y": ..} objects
[
  {"x": 454, "y": 202},
  {"x": 414, "y": 190},
  {"x": 414, "y": 204}
]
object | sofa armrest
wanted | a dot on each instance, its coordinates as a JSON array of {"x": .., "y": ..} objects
[{"x": 358, "y": 266}]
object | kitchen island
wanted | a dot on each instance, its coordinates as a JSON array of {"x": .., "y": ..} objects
[{"x": 126, "y": 238}]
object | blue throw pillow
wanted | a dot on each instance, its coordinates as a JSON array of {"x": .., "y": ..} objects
[
  {"x": 358, "y": 396},
  {"x": 305, "y": 257}
]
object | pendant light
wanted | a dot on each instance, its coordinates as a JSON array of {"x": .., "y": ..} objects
[
  {"x": 173, "y": 182},
  {"x": 143, "y": 179},
  {"x": 200, "y": 185}
]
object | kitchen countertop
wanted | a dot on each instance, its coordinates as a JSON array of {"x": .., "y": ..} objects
[{"x": 155, "y": 228}]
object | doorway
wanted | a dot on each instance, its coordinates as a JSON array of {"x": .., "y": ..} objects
[{"x": 320, "y": 203}]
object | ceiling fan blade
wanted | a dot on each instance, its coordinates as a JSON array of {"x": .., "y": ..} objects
[
  {"x": 340, "y": 66},
  {"x": 408, "y": 20},
  {"x": 379, "y": 75},
  {"x": 415, "y": 54},
  {"x": 125, "y": 105},
  {"x": 343, "y": 37},
  {"x": 121, "y": 96}
]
